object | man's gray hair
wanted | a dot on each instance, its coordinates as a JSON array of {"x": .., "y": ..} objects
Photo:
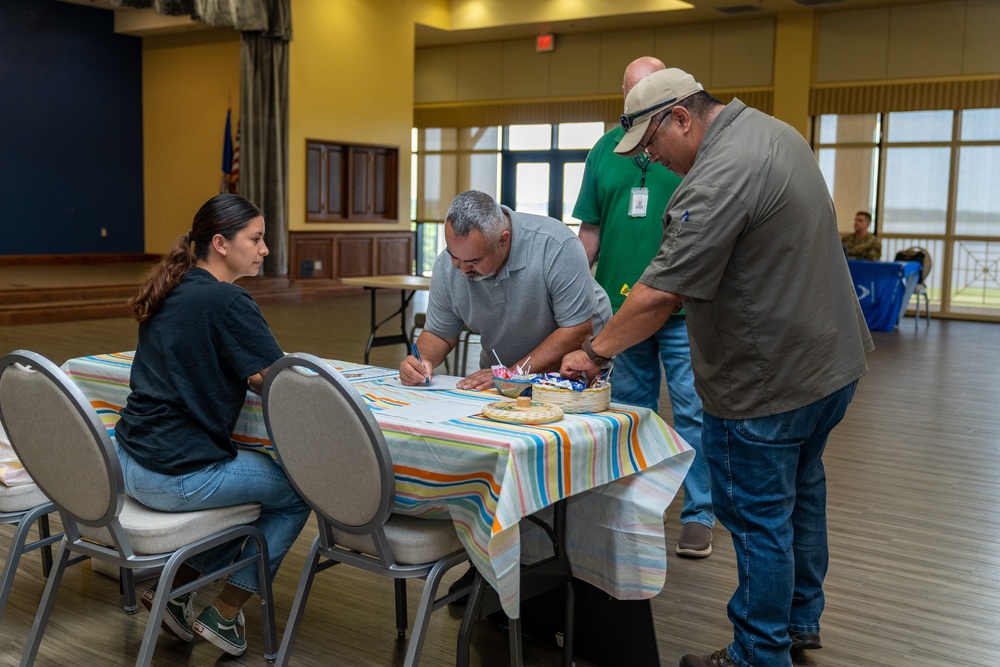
[{"x": 477, "y": 210}]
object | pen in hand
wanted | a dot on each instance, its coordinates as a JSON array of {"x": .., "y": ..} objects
[{"x": 416, "y": 353}]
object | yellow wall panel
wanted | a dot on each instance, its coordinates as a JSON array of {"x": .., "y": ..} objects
[
  {"x": 525, "y": 71},
  {"x": 853, "y": 46},
  {"x": 435, "y": 76},
  {"x": 926, "y": 40},
  {"x": 742, "y": 54},
  {"x": 687, "y": 47},
  {"x": 188, "y": 80},
  {"x": 793, "y": 69},
  {"x": 981, "y": 54},
  {"x": 480, "y": 71},
  {"x": 575, "y": 65},
  {"x": 618, "y": 49},
  {"x": 350, "y": 79}
]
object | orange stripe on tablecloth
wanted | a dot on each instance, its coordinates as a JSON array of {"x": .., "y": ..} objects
[
  {"x": 564, "y": 438},
  {"x": 250, "y": 441},
  {"x": 97, "y": 405},
  {"x": 634, "y": 440}
]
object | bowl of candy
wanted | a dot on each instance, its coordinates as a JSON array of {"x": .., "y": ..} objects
[{"x": 573, "y": 396}]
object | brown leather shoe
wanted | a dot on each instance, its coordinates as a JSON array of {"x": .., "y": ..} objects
[
  {"x": 805, "y": 641},
  {"x": 695, "y": 540},
  {"x": 718, "y": 659}
]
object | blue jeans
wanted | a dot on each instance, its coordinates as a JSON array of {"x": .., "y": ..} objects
[
  {"x": 769, "y": 488},
  {"x": 636, "y": 381},
  {"x": 252, "y": 477}
]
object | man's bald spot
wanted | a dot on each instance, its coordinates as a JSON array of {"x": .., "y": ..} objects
[{"x": 638, "y": 70}]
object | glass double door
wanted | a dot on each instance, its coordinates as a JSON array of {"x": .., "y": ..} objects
[{"x": 543, "y": 182}]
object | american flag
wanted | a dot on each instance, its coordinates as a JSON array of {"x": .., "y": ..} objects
[
  {"x": 234, "y": 174},
  {"x": 227, "y": 155}
]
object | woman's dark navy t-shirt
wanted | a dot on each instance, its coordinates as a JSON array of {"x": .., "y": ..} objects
[{"x": 189, "y": 376}]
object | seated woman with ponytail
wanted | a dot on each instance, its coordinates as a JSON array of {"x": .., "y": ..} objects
[{"x": 202, "y": 342}]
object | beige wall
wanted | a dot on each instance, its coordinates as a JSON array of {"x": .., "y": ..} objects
[{"x": 188, "y": 81}]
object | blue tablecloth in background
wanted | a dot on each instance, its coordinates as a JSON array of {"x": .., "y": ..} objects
[{"x": 884, "y": 289}]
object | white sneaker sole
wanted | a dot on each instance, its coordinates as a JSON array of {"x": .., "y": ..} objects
[{"x": 217, "y": 640}]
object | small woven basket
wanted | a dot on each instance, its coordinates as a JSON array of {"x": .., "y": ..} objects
[{"x": 588, "y": 400}]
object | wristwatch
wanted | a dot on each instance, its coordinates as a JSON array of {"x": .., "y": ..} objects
[{"x": 588, "y": 348}]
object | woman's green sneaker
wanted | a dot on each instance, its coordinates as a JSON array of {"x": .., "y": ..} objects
[
  {"x": 177, "y": 619},
  {"x": 229, "y": 635}
]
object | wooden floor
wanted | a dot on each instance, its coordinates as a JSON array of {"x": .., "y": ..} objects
[{"x": 914, "y": 516}]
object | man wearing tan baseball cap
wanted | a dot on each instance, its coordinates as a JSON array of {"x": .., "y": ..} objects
[
  {"x": 652, "y": 96},
  {"x": 778, "y": 342}
]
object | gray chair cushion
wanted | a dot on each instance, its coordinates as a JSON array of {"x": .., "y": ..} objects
[
  {"x": 152, "y": 532},
  {"x": 413, "y": 541},
  {"x": 20, "y": 498}
]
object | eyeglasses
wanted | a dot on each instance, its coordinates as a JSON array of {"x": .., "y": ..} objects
[
  {"x": 626, "y": 120},
  {"x": 644, "y": 144}
]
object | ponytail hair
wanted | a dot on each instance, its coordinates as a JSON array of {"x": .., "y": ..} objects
[{"x": 224, "y": 214}]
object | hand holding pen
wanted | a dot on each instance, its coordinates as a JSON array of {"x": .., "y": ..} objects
[{"x": 416, "y": 353}]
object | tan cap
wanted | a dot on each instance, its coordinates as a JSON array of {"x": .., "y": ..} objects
[{"x": 655, "y": 93}]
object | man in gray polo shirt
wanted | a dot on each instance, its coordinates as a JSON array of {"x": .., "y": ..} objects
[
  {"x": 778, "y": 341},
  {"x": 521, "y": 281}
]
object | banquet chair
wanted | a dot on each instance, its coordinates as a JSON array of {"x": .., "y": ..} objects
[
  {"x": 336, "y": 457},
  {"x": 66, "y": 449},
  {"x": 918, "y": 254},
  {"x": 23, "y": 506}
]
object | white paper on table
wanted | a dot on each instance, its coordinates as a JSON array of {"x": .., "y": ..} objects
[
  {"x": 434, "y": 412},
  {"x": 438, "y": 383}
]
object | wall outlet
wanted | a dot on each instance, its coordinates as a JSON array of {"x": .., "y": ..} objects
[{"x": 317, "y": 265}]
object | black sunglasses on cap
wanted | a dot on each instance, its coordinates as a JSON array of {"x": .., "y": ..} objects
[{"x": 626, "y": 120}]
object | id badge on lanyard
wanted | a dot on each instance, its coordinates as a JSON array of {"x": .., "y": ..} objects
[{"x": 639, "y": 201}]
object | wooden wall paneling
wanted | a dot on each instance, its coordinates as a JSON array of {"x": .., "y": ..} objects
[
  {"x": 354, "y": 256},
  {"x": 315, "y": 249},
  {"x": 394, "y": 255}
]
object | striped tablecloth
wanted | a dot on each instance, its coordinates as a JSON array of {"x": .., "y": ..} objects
[{"x": 619, "y": 470}]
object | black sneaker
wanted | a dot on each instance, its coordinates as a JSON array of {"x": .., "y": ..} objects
[
  {"x": 718, "y": 659},
  {"x": 805, "y": 641},
  {"x": 460, "y": 583}
]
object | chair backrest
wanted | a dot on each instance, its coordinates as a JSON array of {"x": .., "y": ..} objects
[
  {"x": 916, "y": 254},
  {"x": 59, "y": 439},
  {"x": 329, "y": 443}
]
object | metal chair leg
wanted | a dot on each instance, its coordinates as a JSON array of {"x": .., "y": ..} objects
[{"x": 400, "y": 608}]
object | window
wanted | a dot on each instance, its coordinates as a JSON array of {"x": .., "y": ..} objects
[
  {"x": 351, "y": 183},
  {"x": 531, "y": 168},
  {"x": 929, "y": 178}
]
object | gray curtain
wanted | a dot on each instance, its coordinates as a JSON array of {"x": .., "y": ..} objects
[
  {"x": 264, "y": 129},
  {"x": 266, "y": 27}
]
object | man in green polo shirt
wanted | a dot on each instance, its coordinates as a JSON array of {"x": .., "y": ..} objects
[{"x": 621, "y": 204}]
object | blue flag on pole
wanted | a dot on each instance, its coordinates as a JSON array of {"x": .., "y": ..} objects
[{"x": 227, "y": 155}]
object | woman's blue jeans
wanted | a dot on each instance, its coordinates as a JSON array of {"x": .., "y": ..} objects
[
  {"x": 636, "y": 381},
  {"x": 252, "y": 477},
  {"x": 769, "y": 490}
]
